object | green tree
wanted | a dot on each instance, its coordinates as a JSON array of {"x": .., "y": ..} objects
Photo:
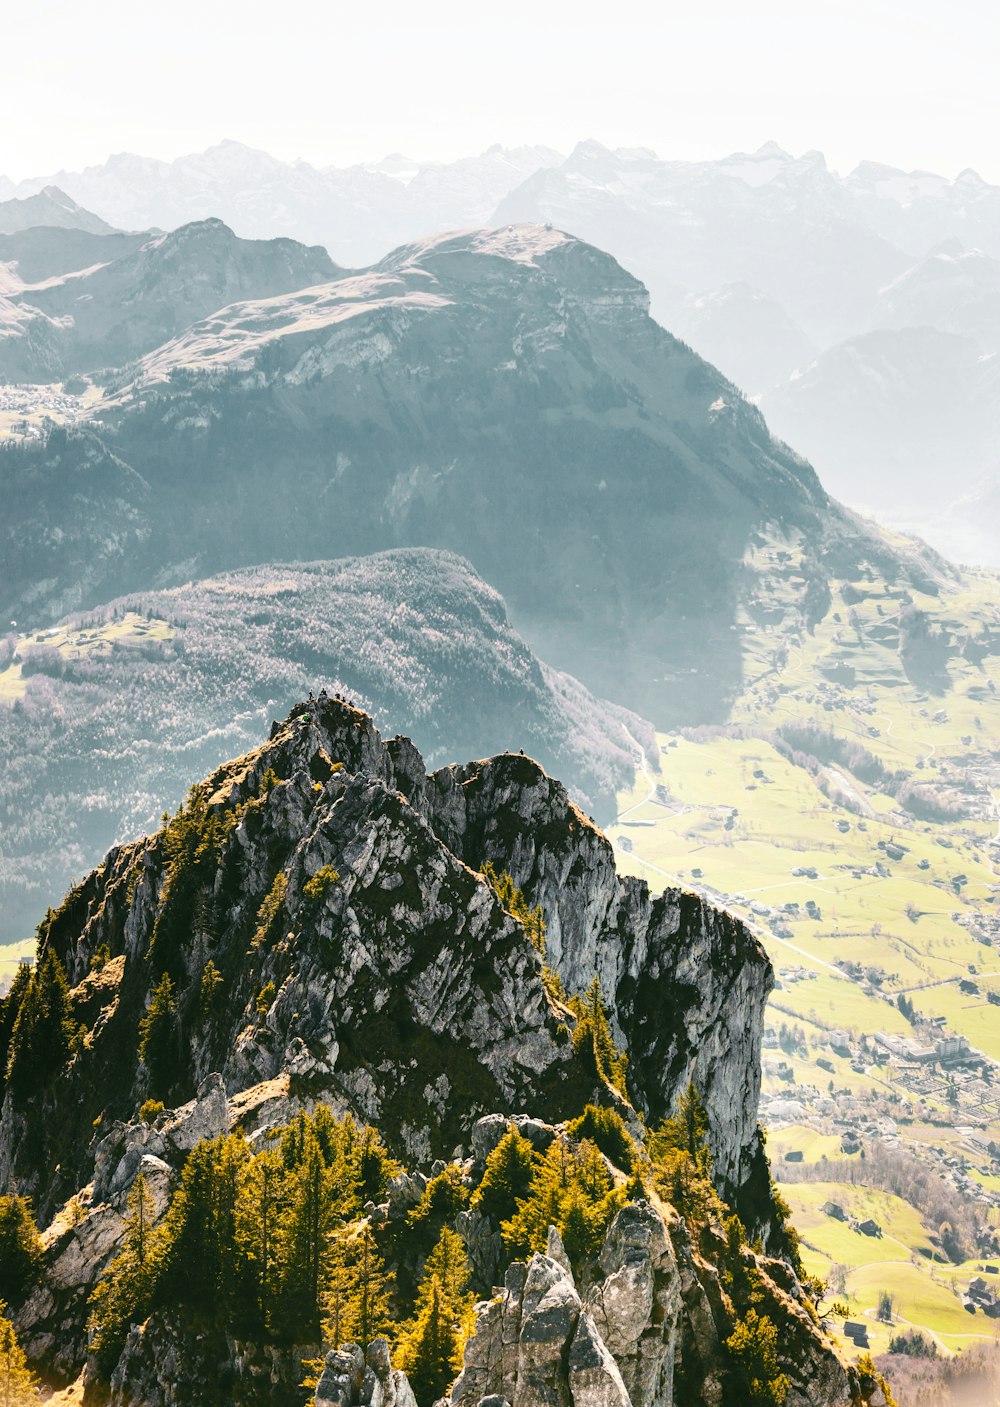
[
  {"x": 10, "y": 1006},
  {"x": 311, "y": 1217},
  {"x": 357, "y": 1297},
  {"x": 20, "y": 1249},
  {"x": 259, "y": 1208},
  {"x": 682, "y": 1162},
  {"x": 159, "y": 1036},
  {"x": 507, "y": 1176},
  {"x": 124, "y": 1293},
  {"x": 17, "y": 1385},
  {"x": 44, "y": 1032},
  {"x": 444, "y": 1197},
  {"x": 209, "y": 990},
  {"x": 200, "y": 1268},
  {"x": 571, "y": 1190},
  {"x": 688, "y": 1128},
  {"x": 606, "y": 1128},
  {"x": 753, "y": 1351},
  {"x": 431, "y": 1353},
  {"x": 430, "y": 1347},
  {"x": 372, "y": 1165},
  {"x": 885, "y": 1306},
  {"x": 593, "y": 1040}
]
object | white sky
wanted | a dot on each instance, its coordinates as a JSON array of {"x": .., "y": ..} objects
[{"x": 903, "y": 81}]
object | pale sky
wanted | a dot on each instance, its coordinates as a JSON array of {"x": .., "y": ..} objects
[{"x": 907, "y": 82}]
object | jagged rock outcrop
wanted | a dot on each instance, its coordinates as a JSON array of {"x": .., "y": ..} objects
[
  {"x": 701, "y": 1023},
  {"x": 318, "y": 916},
  {"x": 402, "y": 991},
  {"x": 656, "y": 1303},
  {"x": 351, "y": 1378}
]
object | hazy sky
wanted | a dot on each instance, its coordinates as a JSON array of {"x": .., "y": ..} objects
[{"x": 904, "y": 81}]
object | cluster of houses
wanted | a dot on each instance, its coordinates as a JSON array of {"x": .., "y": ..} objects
[
  {"x": 868, "y": 1227},
  {"x": 27, "y": 412},
  {"x": 981, "y": 1296}
]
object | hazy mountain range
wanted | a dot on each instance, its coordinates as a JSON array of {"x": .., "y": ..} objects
[
  {"x": 773, "y": 267},
  {"x": 504, "y": 394}
]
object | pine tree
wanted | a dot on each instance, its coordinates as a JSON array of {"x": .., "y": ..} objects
[
  {"x": 682, "y": 1161},
  {"x": 430, "y": 1349},
  {"x": 357, "y": 1295},
  {"x": 125, "y": 1291},
  {"x": 753, "y": 1350},
  {"x": 444, "y": 1197},
  {"x": 159, "y": 1036},
  {"x": 593, "y": 1040},
  {"x": 507, "y": 1177},
  {"x": 431, "y": 1354},
  {"x": 10, "y": 1006},
  {"x": 258, "y": 1218},
  {"x": 573, "y": 1191},
  {"x": 20, "y": 1248},
  {"x": 527, "y": 1230},
  {"x": 44, "y": 1032},
  {"x": 200, "y": 1228},
  {"x": 449, "y": 1264},
  {"x": 17, "y": 1385}
]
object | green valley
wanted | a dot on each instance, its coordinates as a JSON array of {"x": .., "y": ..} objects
[{"x": 847, "y": 812}]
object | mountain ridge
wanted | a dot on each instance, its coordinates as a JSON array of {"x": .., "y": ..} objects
[{"x": 466, "y": 379}]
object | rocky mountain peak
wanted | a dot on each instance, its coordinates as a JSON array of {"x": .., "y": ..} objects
[
  {"x": 329, "y": 872},
  {"x": 316, "y": 936}
]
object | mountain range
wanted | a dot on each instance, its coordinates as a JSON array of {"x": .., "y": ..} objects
[
  {"x": 503, "y": 394},
  {"x": 772, "y": 266}
]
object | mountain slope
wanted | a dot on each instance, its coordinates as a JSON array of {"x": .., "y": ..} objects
[
  {"x": 108, "y": 715},
  {"x": 503, "y": 394}
]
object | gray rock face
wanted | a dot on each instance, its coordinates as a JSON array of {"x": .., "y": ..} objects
[
  {"x": 487, "y": 1133},
  {"x": 656, "y": 1303},
  {"x": 352, "y": 1379},
  {"x": 636, "y": 1306},
  {"x": 685, "y": 982},
  {"x": 538, "y": 1346},
  {"x": 594, "y": 1377}
]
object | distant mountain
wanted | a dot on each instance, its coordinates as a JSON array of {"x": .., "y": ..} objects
[
  {"x": 503, "y": 394},
  {"x": 51, "y": 207},
  {"x": 103, "y": 717},
  {"x": 358, "y": 212},
  {"x": 746, "y": 334},
  {"x": 900, "y": 421},
  {"x": 917, "y": 210},
  {"x": 118, "y": 309},
  {"x": 953, "y": 289},
  {"x": 785, "y": 226}
]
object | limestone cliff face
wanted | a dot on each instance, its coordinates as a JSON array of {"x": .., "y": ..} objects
[{"x": 686, "y": 983}]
